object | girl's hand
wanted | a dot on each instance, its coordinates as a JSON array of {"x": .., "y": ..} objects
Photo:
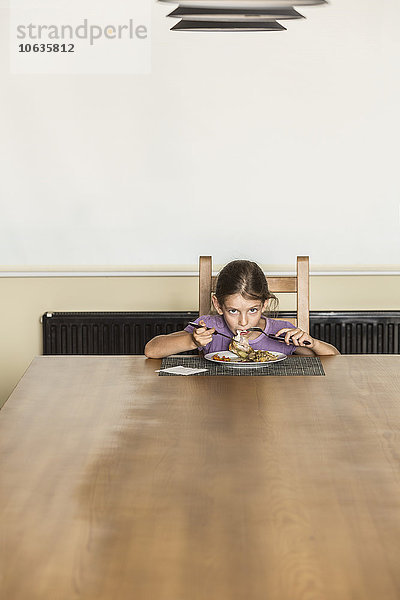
[
  {"x": 202, "y": 336},
  {"x": 297, "y": 337}
]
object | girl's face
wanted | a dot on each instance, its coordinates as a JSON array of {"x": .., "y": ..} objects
[{"x": 241, "y": 313}]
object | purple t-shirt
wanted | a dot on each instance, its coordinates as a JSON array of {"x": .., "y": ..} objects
[{"x": 219, "y": 342}]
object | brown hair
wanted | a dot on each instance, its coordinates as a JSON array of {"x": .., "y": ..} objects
[{"x": 246, "y": 278}]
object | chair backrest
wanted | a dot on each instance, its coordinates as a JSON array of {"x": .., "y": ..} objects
[{"x": 298, "y": 284}]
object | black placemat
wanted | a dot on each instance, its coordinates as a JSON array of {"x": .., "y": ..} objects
[{"x": 293, "y": 365}]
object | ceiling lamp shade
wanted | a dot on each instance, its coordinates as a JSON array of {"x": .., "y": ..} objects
[
  {"x": 186, "y": 25},
  {"x": 234, "y": 14},
  {"x": 245, "y": 3}
]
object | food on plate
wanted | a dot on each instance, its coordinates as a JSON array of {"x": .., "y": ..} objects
[
  {"x": 241, "y": 347},
  {"x": 263, "y": 356},
  {"x": 256, "y": 356},
  {"x": 222, "y": 358}
]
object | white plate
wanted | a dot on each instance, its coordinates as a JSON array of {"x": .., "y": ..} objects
[{"x": 238, "y": 363}]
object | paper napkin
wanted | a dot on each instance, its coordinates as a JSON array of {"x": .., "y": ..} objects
[{"x": 181, "y": 370}]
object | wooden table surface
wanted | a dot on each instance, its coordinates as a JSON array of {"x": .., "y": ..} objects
[{"x": 117, "y": 484}]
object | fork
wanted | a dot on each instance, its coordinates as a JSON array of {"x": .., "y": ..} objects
[
  {"x": 271, "y": 336},
  {"x": 215, "y": 332}
]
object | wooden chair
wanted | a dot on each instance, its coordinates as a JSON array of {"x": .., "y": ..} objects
[{"x": 298, "y": 284}]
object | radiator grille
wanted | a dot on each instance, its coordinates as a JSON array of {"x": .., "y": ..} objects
[
  {"x": 107, "y": 333},
  {"x": 359, "y": 332},
  {"x": 128, "y": 332}
]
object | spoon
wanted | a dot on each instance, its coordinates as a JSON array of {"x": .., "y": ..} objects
[{"x": 279, "y": 338}]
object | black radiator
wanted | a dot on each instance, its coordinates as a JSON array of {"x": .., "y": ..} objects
[
  {"x": 107, "y": 332},
  {"x": 372, "y": 332}
]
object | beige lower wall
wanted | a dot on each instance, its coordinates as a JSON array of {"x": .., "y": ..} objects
[{"x": 25, "y": 299}]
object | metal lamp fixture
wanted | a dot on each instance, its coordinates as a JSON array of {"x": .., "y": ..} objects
[{"x": 236, "y": 15}]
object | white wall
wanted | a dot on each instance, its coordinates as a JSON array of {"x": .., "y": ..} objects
[{"x": 261, "y": 145}]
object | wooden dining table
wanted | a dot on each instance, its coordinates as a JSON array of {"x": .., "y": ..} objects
[{"x": 117, "y": 484}]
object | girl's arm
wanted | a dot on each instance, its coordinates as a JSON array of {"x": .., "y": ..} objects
[
  {"x": 315, "y": 347},
  {"x": 180, "y": 341}
]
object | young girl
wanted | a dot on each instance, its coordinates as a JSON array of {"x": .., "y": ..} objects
[{"x": 240, "y": 298}]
